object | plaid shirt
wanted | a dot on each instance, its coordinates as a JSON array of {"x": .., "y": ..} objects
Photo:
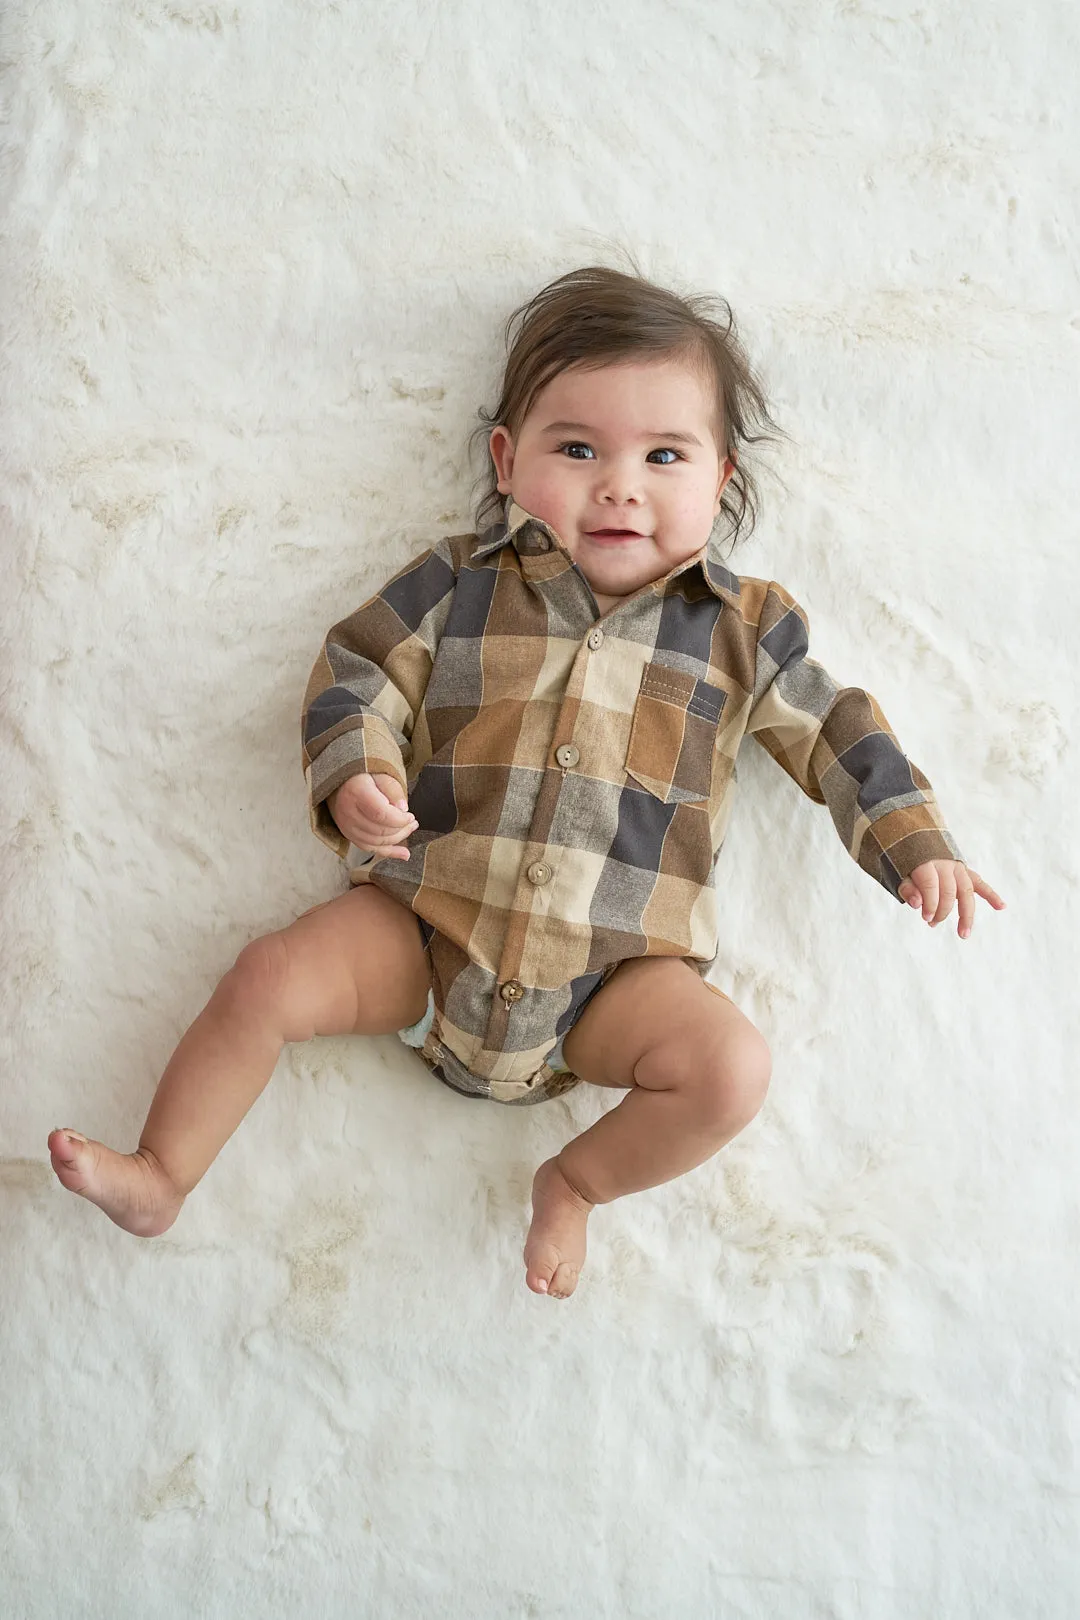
[{"x": 573, "y": 775}]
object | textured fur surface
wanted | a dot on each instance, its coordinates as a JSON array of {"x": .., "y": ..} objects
[{"x": 256, "y": 261}]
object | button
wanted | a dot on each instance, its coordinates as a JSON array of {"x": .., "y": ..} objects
[
  {"x": 567, "y": 755},
  {"x": 539, "y": 873},
  {"x": 596, "y": 640},
  {"x": 542, "y": 543},
  {"x": 511, "y": 991}
]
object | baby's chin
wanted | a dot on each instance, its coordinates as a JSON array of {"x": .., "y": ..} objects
[
  {"x": 620, "y": 576},
  {"x": 608, "y": 591}
]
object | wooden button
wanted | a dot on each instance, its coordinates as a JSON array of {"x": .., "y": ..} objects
[
  {"x": 596, "y": 640},
  {"x": 511, "y": 991},
  {"x": 539, "y": 873},
  {"x": 567, "y": 755}
]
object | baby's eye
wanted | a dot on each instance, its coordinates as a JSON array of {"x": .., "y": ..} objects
[
  {"x": 575, "y": 444},
  {"x": 674, "y": 454}
]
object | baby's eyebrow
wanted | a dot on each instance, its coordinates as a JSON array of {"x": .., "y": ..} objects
[{"x": 673, "y": 437}]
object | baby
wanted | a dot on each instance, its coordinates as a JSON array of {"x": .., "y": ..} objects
[{"x": 531, "y": 732}]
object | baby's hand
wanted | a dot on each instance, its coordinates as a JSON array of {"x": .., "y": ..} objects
[
  {"x": 372, "y": 814},
  {"x": 936, "y": 884}
]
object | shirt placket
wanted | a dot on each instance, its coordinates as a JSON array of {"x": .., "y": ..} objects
[{"x": 537, "y": 868}]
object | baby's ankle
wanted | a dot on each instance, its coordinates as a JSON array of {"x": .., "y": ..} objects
[
  {"x": 574, "y": 1182},
  {"x": 169, "y": 1186}
]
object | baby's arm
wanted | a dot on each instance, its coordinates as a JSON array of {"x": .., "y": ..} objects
[
  {"x": 837, "y": 745},
  {"x": 368, "y": 685}
]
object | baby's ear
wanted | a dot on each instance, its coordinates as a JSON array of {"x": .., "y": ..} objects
[
  {"x": 501, "y": 446},
  {"x": 725, "y": 475}
]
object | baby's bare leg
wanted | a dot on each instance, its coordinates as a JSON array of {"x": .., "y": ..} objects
[
  {"x": 355, "y": 965},
  {"x": 697, "y": 1072}
]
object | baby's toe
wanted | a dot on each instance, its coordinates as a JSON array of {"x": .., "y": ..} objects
[
  {"x": 71, "y": 1155},
  {"x": 564, "y": 1281},
  {"x": 540, "y": 1267}
]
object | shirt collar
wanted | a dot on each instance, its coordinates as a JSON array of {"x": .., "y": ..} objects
[{"x": 524, "y": 530}]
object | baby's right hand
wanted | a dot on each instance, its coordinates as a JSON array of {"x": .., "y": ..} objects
[{"x": 372, "y": 814}]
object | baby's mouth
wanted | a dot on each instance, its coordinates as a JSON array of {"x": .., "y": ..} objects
[{"x": 614, "y": 534}]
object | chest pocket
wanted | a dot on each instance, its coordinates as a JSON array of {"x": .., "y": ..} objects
[{"x": 673, "y": 735}]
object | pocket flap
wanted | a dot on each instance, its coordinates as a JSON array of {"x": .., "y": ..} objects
[{"x": 673, "y": 734}]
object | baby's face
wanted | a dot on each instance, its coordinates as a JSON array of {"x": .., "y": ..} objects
[{"x": 622, "y": 462}]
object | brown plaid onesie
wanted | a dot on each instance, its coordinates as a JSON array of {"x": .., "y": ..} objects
[{"x": 573, "y": 775}]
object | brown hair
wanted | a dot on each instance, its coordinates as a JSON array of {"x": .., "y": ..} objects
[{"x": 596, "y": 316}]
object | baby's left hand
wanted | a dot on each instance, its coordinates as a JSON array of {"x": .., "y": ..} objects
[{"x": 936, "y": 884}]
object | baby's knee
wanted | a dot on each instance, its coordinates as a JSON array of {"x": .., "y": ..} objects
[
  {"x": 728, "y": 1076},
  {"x": 259, "y": 974},
  {"x": 743, "y": 1073}
]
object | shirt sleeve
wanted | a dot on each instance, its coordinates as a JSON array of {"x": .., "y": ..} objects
[
  {"x": 367, "y": 687},
  {"x": 838, "y": 746}
]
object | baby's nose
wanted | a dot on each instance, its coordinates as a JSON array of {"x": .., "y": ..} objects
[{"x": 620, "y": 490}]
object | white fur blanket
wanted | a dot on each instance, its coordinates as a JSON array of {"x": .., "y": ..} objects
[{"x": 256, "y": 260}]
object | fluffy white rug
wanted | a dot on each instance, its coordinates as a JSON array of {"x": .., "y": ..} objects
[{"x": 256, "y": 261}]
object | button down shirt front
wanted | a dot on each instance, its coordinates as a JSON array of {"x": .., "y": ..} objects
[{"x": 572, "y": 779}]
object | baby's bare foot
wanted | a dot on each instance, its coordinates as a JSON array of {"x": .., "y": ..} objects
[
  {"x": 131, "y": 1188},
  {"x": 555, "y": 1246}
]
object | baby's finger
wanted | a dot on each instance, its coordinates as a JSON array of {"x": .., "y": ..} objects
[
  {"x": 965, "y": 902},
  {"x": 946, "y": 895},
  {"x": 371, "y": 847},
  {"x": 929, "y": 889},
  {"x": 983, "y": 888},
  {"x": 390, "y": 788},
  {"x": 375, "y": 835},
  {"x": 373, "y": 802}
]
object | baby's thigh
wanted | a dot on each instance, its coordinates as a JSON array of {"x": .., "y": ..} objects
[
  {"x": 657, "y": 1023},
  {"x": 355, "y": 965}
]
